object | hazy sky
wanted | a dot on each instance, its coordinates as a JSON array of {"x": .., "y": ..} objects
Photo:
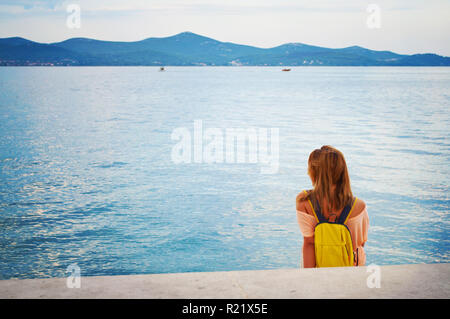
[{"x": 405, "y": 26}]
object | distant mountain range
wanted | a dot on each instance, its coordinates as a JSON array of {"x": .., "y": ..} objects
[{"x": 192, "y": 49}]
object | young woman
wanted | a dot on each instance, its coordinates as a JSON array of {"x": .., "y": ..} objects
[{"x": 329, "y": 176}]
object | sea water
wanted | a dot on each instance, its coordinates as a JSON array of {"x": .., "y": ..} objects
[{"x": 88, "y": 175}]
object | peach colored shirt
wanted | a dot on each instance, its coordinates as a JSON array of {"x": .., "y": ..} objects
[{"x": 358, "y": 226}]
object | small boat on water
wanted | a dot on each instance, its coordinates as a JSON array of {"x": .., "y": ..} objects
[{"x": 286, "y": 70}]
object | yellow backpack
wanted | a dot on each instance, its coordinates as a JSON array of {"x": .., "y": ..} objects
[{"x": 332, "y": 240}]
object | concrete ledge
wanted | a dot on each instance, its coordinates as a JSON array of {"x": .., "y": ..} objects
[{"x": 403, "y": 281}]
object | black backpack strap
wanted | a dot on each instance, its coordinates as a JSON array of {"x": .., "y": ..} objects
[{"x": 346, "y": 212}]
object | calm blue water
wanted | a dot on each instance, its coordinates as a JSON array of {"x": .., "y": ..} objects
[{"x": 87, "y": 177}]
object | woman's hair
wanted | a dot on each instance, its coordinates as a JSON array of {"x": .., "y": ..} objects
[
  {"x": 313, "y": 165},
  {"x": 327, "y": 168}
]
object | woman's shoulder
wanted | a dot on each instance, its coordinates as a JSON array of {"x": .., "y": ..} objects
[
  {"x": 360, "y": 207},
  {"x": 302, "y": 203}
]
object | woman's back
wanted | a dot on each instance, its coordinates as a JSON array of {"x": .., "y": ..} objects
[
  {"x": 332, "y": 192},
  {"x": 357, "y": 223},
  {"x": 304, "y": 206}
]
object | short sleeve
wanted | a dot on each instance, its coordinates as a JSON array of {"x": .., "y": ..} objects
[
  {"x": 307, "y": 223},
  {"x": 359, "y": 227}
]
